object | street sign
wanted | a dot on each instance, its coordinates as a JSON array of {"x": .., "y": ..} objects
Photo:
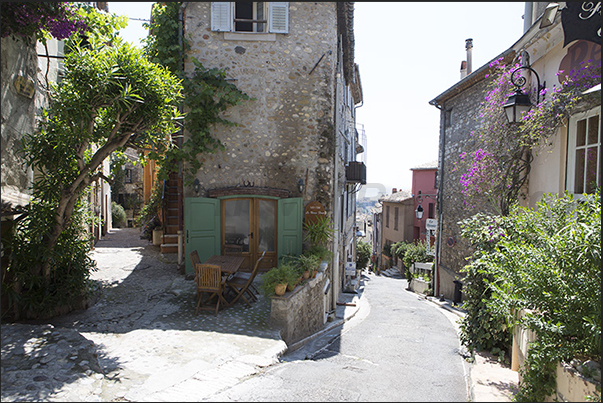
[
  {"x": 431, "y": 224},
  {"x": 350, "y": 268}
]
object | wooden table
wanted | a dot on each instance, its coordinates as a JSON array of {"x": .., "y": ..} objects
[{"x": 229, "y": 263}]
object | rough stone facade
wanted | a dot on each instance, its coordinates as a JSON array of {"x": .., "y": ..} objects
[
  {"x": 297, "y": 313},
  {"x": 287, "y": 130},
  {"x": 300, "y": 123},
  {"x": 459, "y": 117}
]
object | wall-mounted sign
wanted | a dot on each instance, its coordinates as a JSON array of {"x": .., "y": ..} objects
[
  {"x": 431, "y": 224},
  {"x": 313, "y": 211},
  {"x": 350, "y": 268},
  {"x": 24, "y": 86},
  {"x": 577, "y": 55},
  {"x": 581, "y": 20}
]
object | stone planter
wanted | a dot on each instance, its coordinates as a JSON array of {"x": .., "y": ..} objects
[{"x": 157, "y": 237}]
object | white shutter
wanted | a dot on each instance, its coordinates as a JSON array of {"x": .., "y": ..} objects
[
  {"x": 279, "y": 17},
  {"x": 220, "y": 16}
]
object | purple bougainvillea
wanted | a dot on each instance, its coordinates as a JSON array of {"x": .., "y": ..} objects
[
  {"x": 23, "y": 20},
  {"x": 499, "y": 168}
]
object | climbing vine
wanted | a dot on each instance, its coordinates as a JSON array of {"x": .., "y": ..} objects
[
  {"x": 498, "y": 170},
  {"x": 206, "y": 92}
]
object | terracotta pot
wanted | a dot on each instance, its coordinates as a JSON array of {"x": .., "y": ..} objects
[
  {"x": 280, "y": 289},
  {"x": 306, "y": 275},
  {"x": 290, "y": 287}
]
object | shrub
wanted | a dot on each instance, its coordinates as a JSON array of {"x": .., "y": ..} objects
[
  {"x": 546, "y": 262},
  {"x": 363, "y": 254},
  {"x": 118, "y": 215}
]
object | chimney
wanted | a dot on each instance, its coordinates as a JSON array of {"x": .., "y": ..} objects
[
  {"x": 469, "y": 48},
  {"x": 463, "y": 69},
  {"x": 394, "y": 190}
]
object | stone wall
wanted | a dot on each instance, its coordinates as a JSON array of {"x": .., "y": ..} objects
[
  {"x": 286, "y": 132},
  {"x": 298, "y": 313},
  {"x": 18, "y": 117},
  {"x": 464, "y": 109}
]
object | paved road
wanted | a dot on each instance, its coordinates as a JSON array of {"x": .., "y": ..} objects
[{"x": 397, "y": 349}]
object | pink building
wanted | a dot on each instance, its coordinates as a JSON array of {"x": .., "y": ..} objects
[{"x": 424, "y": 191}]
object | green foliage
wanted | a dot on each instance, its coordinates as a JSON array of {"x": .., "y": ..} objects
[
  {"x": 546, "y": 263},
  {"x": 320, "y": 251},
  {"x": 319, "y": 231},
  {"x": 110, "y": 98},
  {"x": 284, "y": 273},
  {"x": 33, "y": 294},
  {"x": 148, "y": 218},
  {"x": 363, "y": 254},
  {"x": 118, "y": 215},
  {"x": 399, "y": 249},
  {"x": 207, "y": 93},
  {"x": 416, "y": 252},
  {"x": 387, "y": 250}
]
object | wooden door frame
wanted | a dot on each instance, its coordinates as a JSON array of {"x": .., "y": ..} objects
[{"x": 270, "y": 259}]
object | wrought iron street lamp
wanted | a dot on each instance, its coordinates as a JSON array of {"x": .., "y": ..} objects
[
  {"x": 519, "y": 103},
  {"x": 419, "y": 212}
]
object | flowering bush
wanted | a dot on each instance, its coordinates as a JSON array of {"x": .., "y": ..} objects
[
  {"x": 60, "y": 20},
  {"x": 499, "y": 169}
]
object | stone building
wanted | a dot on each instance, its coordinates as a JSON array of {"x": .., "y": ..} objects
[
  {"x": 555, "y": 166},
  {"x": 296, "y": 141}
]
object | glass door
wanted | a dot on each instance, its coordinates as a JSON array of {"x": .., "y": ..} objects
[{"x": 249, "y": 228}]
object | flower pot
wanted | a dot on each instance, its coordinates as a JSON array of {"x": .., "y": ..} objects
[
  {"x": 157, "y": 237},
  {"x": 306, "y": 275},
  {"x": 280, "y": 289}
]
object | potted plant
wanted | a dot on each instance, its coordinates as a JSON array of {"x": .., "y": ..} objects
[
  {"x": 275, "y": 280},
  {"x": 319, "y": 231}
]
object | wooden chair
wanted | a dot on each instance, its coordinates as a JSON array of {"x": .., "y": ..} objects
[
  {"x": 241, "y": 283},
  {"x": 209, "y": 280}
]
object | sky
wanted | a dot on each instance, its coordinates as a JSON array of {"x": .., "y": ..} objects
[{"x": 407, "y": 53}]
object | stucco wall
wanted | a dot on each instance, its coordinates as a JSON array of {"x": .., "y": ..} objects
[
  {"x": 288, "y": 127},
  {"x": 18, "y": 117}
]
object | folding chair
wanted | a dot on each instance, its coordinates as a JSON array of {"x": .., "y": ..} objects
[
  {"x": 209, "y": 280},
  {"x": 241, "y": 283}
]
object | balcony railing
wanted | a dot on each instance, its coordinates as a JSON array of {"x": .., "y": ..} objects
[{"x": 355, "y": 172}]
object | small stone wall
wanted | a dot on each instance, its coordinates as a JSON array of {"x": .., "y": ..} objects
[{"x": 300, "y": 313}]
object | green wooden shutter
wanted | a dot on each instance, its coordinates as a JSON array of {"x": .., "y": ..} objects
[
  {"x": 202, "y": 228},
  {"x": 290, "y": 226}
]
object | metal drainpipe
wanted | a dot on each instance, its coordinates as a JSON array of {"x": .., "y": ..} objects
[
  {"x": 181, "y": 45},
  {"x": 527, "y": 16},
  {"x": 337, "y": 222},
  {"x": 438, "y": 245}
]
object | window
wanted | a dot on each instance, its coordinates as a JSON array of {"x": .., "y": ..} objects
[
  {"x": 396, "y": 219},
  {"x": 387, "y": 216},
  {"x": 430, "y": 211},
  {"x": 584, "y": 152},
  {"x": 128, "y": 175},
  {"x": 250, "y": 17}
]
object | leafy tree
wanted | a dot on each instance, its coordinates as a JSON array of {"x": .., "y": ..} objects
[
  {"x": 110, "y": 98},
  {"x": 363, "y": 254}
]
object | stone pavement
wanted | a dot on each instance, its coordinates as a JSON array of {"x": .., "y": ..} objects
[{"x": 142, "y": 341}]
